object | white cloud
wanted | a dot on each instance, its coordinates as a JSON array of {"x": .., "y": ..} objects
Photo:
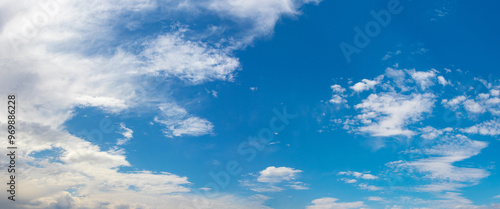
[
  {"x": 337, "y": 89},
  {"x": 364, "y": 186},
  {"x": 127, "y": 134},
  {"x": 438, "y": 166},
  {"x": 473, "y": 107},
  {"x": 453, "y": 103},
  {"x": 375, "y": 198},
  {"x": 331, "y": 203},
  {"x": 337, "y": 99},
  {"x": 491, "y": 128},
  {"x": 495, "y": 92},
  {"x": 430, "y": 132},
  {"x": 274, "y": 179},
  {"x": 366, "y": 84},
  {"x": 423, "y": 79},
  {"x": 195, "y": 62},
  {"x": 338, "y": 96},
  {"x": 391, "y": 54},
  {"x": 258, "y": 187},
  {"x": 298, "y": 186},
  {"x": 443, "y": 81},
  {"x": 261, "y": 15},
  {"x": 388, "y": 114},
  {"x": 350, "y": 181},
  {"x": 358, "y": 175},
  {"x": 277, "y": 174},
  {"x": 179, "y": 122},
  {"x": 456, "y": 197},
  {"x": 398, "y": 77},
  {"x": 482, "y": 103}
]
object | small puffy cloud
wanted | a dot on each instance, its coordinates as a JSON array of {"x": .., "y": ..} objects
[
  {"x": 358, "y": 175},
  {"x": 424, "y": 79},
  {"x": 332, "y": 203},
  {"x": 430, "y": 132},
  {"x": 277, "y": 174},
  {"x": 350, "y": 181},
  {"x": 490, "y": 128},
  {"x": 366, "y": 84},
  {"x": 391, "y": 54},
  {"x": 454, "y": 103},
  {"x": 473, "y": 107},
  {"x": 337, "y": 89},
  {"x": 337, "y": 99},
  {"x": 338, "y": 96}
]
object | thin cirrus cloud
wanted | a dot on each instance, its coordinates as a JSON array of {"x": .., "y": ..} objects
[
  {"x": 178, "y": 122},
  {"x": 333, "y": 203},
  {"x": 80, "y": 56},
  {"x": 127, "y": 134}
]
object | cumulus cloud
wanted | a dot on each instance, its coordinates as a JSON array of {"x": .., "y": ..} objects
[
  {"x": 491, "y": 128},
  {"x": 273, "y": 179},
  {"x": 424, "y": 79},
  {"x": 366, "y": 84},
  {"x": 488, "y": 102},
  {"x": 338, "y": 96},
  {"x": 277, "y": 174}
]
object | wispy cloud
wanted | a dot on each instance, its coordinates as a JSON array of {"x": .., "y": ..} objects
[
  {"x": 332, "y": 203},
  {"x": 127, "y": 134}
]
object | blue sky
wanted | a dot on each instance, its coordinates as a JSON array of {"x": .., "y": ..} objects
[{"x": 253, "y": 104}]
